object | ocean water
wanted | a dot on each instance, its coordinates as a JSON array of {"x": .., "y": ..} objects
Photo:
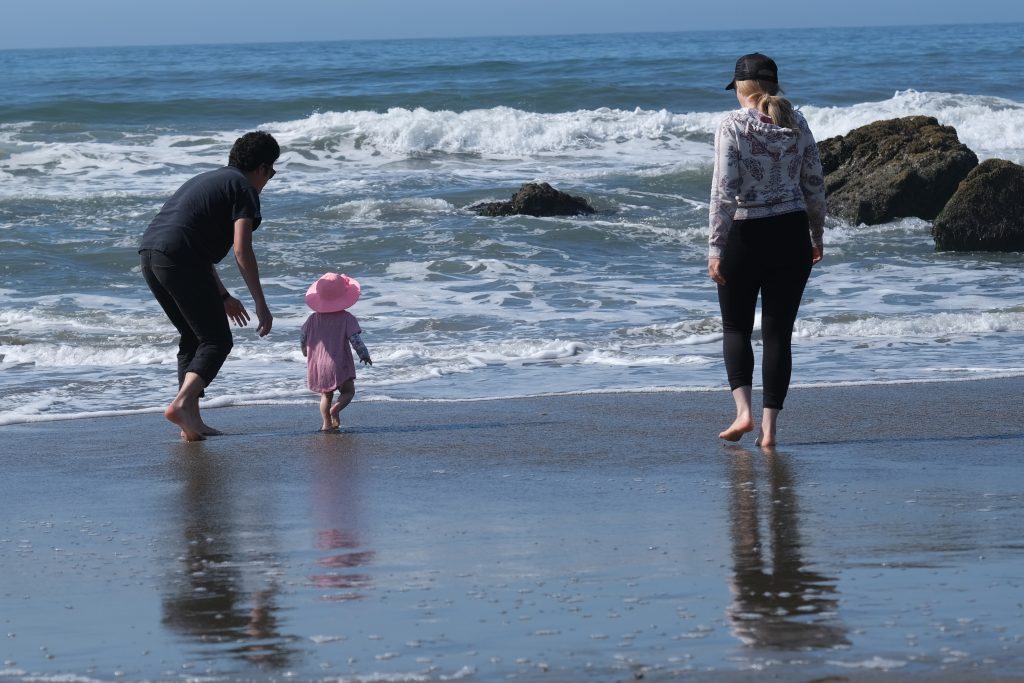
[{"x": 385, "y": 145}]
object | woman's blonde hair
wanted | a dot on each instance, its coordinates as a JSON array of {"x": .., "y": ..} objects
[{"x": 767, "y": 98}]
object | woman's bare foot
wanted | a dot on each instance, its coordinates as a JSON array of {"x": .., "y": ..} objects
[
  {"x": 765, "y": 441},
  {"x": 744, "y": 421},
  {"x": 191, "y": 430},
  {"x": 737, "y": 429},
  {"x": 766, "y": 434}
]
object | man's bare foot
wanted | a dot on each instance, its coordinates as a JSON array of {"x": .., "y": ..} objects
[
  {"x": 737, "y": 429},
  {"x": 206, "y": 430},
  {"x": 191, "y": 430}
]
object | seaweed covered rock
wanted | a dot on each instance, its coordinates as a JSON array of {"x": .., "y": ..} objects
[
  {"x": 891, "y": 169},
  {"x": 987, "y": 211},
  {"x": 536, "y": 199}
]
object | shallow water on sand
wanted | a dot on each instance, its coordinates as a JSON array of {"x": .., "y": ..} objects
[{"x": 595, "y": 538}]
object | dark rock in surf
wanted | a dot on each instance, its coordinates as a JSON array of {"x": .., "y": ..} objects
[
  {"x": 987, "y": 211},
  {"x": 892, "y": 169},
  {"x": 536, "y": 199}
]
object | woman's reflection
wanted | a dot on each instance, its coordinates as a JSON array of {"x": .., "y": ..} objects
[
  {"x": 335, "y": 512},
  {"x": 220, "y": 595},
  {"x": 784, "y": 606}
]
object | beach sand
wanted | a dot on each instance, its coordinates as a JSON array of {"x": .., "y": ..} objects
[{"x": 573, "y": 538}]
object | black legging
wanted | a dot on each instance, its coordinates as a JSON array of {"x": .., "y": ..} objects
[
  {"x": 771, "y": 256},
  {"x": 190, "y": 298}
]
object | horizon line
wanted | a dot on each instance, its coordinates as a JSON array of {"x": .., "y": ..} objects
[{"x": 498, "y": 35}]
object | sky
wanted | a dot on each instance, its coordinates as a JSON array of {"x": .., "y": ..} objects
[{"x": 95, "y": 23}]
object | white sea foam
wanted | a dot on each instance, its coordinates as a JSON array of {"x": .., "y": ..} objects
[
  {"x": 926, "y": 326},
  {"x": 501, "y": 132},
  {"x": 69, "y": 355},
  {"x": 991, "y": 126},
  {"x": 376, "y": 210},
  {"x": 873, "y": 663},
  {"x": 578, "y": 143}
]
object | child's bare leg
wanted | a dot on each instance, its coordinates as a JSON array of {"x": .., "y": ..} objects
[
  {"x": 184, "y": 409},
  {"x": 766, "y": 435},
  {"x": 744, "y": 421},
  {"x": 345, "y": 394},
  {"x": 325, "y": 410}
]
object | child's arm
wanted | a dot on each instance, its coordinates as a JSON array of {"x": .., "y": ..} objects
[
  {"x": 302, "y": 343},
  {"x": 360, "y": 348}
]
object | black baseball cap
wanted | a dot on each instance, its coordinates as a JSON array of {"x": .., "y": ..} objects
[{"x": 754, "y": 67}]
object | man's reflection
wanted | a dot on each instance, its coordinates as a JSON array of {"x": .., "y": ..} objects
[
  {"x": 219, "y": 595},
  {"x": 336, "y": 516},
  {"x": 785, "y": 606}
]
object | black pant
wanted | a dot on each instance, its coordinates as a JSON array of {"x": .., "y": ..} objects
[
  {"x": 770, "y": 256},
  {"x": 191, "y": 299}
]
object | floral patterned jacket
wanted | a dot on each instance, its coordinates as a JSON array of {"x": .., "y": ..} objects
[{"x": 764, "y": 170}]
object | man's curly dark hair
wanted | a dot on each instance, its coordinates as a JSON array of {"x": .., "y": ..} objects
[{"x": 254, "y": 149}]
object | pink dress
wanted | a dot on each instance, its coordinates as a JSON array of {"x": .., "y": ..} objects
[{"x": 329, "y": 362}]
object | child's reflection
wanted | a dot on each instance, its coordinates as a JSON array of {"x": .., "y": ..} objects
[
  {"x": 209, "y": 596},
  {"x": 785, "y": 606},
  {"x": 336, "y": 519}
]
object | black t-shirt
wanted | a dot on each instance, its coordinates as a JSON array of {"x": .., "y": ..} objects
[{"x": 197, "y": 223}]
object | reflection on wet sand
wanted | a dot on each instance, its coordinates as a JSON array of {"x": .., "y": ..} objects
[
  {"x": 336, "y": 519},
  {"x": 785, "y": 606},
  {"x": 220, "y": 595}
]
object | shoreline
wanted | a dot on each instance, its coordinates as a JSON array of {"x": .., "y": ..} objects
[{"x": 222, "y": 403}]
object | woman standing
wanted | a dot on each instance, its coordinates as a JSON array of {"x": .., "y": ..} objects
[{"x": 767, "y": 219}]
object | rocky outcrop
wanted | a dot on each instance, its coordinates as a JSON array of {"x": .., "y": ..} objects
[
  {"x": 987, "y": 211},
  {"x": 536, "y": 199},
  {"x": 892, "y": 169}
]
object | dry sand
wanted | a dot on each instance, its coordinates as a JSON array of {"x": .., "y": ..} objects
[{"x": 576, "y": 538}]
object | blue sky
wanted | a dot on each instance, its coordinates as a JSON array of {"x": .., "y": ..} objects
[{"x": 71, "y": 23}]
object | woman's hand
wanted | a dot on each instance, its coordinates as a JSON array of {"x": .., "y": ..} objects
[
  {"x": 817, "y": 253},
  {"x": 715, "y": 270},
  {"x": 236, "y": 311}
]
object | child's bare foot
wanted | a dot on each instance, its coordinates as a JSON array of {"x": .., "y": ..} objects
[
  {"x": 328, "y": 427},
  {"x": 737, "y": 429},
  {"x": 335, "y": 412},
  {"x": 191, "y": 429}
]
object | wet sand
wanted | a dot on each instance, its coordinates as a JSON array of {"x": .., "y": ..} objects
[{"x": 578, "y": 538}]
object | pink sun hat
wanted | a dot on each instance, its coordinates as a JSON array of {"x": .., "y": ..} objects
[{"x": 332, "y": 293}]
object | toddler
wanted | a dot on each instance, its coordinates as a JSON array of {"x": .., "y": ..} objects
[{"x": 326, "y": 336}]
